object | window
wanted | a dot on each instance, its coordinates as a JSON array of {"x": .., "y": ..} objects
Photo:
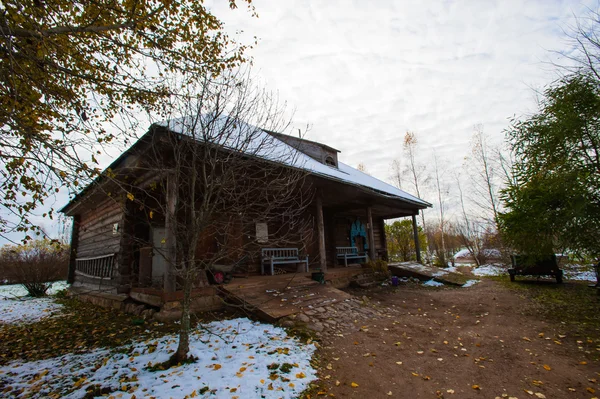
[
  {"x": 330, "y": 161},
  {"x": 262, "y": 233}
]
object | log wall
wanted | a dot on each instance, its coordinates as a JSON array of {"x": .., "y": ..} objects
[{"x": 96, "y": 237}]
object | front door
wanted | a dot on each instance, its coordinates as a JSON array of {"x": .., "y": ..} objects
[{"x": 159, "y": 248}]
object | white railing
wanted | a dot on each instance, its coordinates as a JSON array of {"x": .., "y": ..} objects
[{"x": 96, "y": 267}]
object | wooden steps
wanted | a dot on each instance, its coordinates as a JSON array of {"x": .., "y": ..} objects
[{"x": 274, "y": 297}]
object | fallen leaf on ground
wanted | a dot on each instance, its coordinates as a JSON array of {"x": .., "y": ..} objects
[{"x": 354, "y": 385}]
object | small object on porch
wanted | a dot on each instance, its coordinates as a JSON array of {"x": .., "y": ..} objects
[
  {"x": 346, "y": 253},
  {"x": 280, "y": 256},
  {"x": 219, "y": 274},
  {"x": 524, "y": 265},
  {"x": 318, "y": 276}
]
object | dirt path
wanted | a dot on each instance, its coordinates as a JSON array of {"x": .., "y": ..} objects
[{"x": 455, "y": 343}]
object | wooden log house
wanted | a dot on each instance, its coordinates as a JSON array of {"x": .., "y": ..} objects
[{"x": 349, "y": 209}]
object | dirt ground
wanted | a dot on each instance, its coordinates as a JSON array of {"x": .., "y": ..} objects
[{"x": 477, "y": 342}]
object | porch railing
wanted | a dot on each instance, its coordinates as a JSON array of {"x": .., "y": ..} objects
[{"x": 96, "y": 267}]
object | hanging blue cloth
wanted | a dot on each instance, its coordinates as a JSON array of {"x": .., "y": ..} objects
[{"x": 358, "y": 230}]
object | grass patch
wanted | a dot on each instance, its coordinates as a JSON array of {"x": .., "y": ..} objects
[{"x": 573, "y": 306}]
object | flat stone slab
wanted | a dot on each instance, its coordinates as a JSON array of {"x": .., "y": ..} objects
[{"x": 424, "y": 272}]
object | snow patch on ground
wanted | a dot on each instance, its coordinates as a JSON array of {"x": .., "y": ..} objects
[
  {"x": 579, "y": 272},
  {"x": 27, "y": 310},
  {"x": 470, "y": 283},
  {"x": 233, "y": 358},
  {"x": 440, "y": 273},
  {"x": 463, "y": 253},
  {"x": 433, "y": 283},
  {"x": 16, "y": 307},
  {"x": 17, "y": 290},
  {"x": 489, "y": 270}
]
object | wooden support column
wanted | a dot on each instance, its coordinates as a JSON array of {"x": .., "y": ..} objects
[
  {"x": 73, "y": 252},
  {"x": 370, "y": 233},
  {"x": 416, "y": 236},
  {"x": 384, "y": 237},
  {"x": 172, "y": 195},
  {"x": 321, "y": 234}
]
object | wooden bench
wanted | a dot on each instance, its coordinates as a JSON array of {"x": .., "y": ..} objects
[
  {"x": 523, "y": 265},
  {"x": 280, "y": 256},
  {"x": 346, "y": 253}
]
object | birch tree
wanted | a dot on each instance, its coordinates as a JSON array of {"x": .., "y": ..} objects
[{"x": 414, "y": 170}]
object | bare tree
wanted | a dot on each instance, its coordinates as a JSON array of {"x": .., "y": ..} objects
[
  {"x": 363, "y": 168},
  {"x": 468, "y": 229},
  {"x": 414, "y": 169},
  {"x": 396, "y": 173},
  {"x": 583, "y": 38},
  {"x": 442, "y": 192},
  {"x": 484, "y": 170},
  {"x": 215, "y": 177}
]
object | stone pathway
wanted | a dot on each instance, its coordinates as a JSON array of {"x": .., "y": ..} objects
[{"x": 336, "y": 318}]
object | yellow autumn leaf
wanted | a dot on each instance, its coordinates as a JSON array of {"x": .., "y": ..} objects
[
  {"x": 546, "y": 367},
  {"x": 151, "y": 214},
  {"x": 300, "y": 375},
  {"x": 217, "y": 366},
  {"x": 590, "y": 390},
  {"x": 476, "y": 387},
  {"x": 354, "y": 385},
  {"x": 130, "y": 196}
]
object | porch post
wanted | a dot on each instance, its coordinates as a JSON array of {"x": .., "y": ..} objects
[
  {"x": 371, "y": 235},
  {"x": 416, "y": 236},
  {"x": 321, "y": 233},
  {"x": 170, "y": 226},
  {"x": 73, "y": 252}
]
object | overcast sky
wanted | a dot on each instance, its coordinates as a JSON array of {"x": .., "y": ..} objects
[{"x": 362, "y": 73}]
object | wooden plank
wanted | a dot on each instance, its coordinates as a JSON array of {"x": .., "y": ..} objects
[{"x": 100, "y": 226}]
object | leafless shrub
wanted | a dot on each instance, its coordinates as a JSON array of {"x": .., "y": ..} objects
[{"x": 35, "y": 265}]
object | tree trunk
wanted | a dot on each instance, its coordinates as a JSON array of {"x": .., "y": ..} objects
[{"x": 181, "y": 355}]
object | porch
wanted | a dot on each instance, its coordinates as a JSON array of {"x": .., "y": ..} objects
[{"x": 274, "y": 297}]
